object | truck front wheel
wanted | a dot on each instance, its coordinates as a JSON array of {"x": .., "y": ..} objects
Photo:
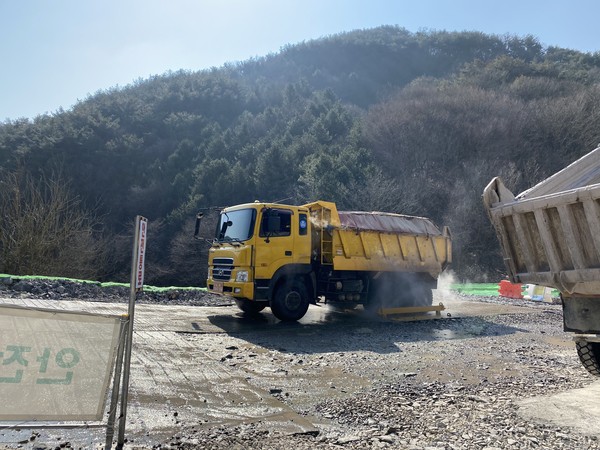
[
  {"x": 589, "y": 355},
  {"x": 290, "y": 301}
]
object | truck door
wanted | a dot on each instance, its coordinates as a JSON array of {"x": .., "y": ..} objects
[{"x": 275, "y": 244}]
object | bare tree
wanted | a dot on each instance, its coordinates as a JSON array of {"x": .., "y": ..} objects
[{"x": 45, "y": 230}]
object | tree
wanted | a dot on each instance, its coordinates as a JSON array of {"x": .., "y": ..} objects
[{"x": 44, "y": 230}]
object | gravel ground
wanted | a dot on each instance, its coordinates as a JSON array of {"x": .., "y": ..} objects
[
  {"x": 440, "y": 384},
  {"x": 451, "y": 384}
]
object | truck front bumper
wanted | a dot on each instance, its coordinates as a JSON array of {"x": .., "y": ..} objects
[{"x": 235, "y": 289}]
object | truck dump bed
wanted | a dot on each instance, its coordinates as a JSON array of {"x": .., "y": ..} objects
[
  {"x": 550, "y": 234},
  {"x": 375, "y": 241}
]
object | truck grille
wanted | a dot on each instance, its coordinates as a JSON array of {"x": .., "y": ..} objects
[{"x": 222, "y": 268}]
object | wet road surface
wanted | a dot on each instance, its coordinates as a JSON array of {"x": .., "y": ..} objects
[{"x": 179, "y": 379}]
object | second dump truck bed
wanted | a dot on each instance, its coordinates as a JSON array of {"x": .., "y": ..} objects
[{"x": 550, "y": 235}]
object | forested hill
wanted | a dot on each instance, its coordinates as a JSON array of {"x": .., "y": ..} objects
[{"x": 379, "y": 119}]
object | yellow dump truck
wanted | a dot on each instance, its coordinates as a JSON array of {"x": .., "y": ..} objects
[
  {"x": 550, "y": 236},
  {"x": 287, "y": 257}
]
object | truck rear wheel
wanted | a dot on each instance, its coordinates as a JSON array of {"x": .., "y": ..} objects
[
  {"x": 589, "y": 355},
  {"x": 290, "y": 301},
  {"x": 249, "y": 306},
  {"x": 396, "y": 290}
]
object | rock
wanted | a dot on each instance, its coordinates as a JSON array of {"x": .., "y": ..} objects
[
  {"x": 347, "y": 439},
  {"x": 23, "y": 286}
]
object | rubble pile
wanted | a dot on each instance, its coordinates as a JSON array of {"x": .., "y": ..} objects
[{"x": 63, "y": 289}]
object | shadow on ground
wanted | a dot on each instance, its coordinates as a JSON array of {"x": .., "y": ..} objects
[{"x": 328, "y": 330}]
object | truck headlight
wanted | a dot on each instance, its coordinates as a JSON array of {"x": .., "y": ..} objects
[{"x": 242, "y": 276}]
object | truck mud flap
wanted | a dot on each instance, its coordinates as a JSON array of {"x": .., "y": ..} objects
[{"x": 581, "y": 314}]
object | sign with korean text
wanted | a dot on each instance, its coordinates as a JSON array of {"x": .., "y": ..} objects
[
  {"x": 55, "y": 365},
  {"x": 141, "y": 253}
]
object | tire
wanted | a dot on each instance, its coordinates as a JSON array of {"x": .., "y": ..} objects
[
  {"x": 589, "y": 355},
  {"x": 290, "y": 301},
  {"x": 396, "y": 290},
  {"x": 375, "y": 297},
  {"x": 343, "y": 306},
  {"x": 249, "y": 306}
]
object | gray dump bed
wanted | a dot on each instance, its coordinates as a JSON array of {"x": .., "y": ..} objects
[{"x": 550, "y": 234}]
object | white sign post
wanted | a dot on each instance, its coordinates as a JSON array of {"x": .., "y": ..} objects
[
  {"x": 136, "y": 285},
  {"x": 140, "y": 252}
]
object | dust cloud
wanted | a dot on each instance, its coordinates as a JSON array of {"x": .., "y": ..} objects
[{"x": 444, "y": 292}]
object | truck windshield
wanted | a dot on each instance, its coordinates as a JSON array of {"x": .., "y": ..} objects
[{"x": 236, "y": 225}]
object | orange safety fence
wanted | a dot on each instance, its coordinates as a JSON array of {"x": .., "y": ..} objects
[{"x": 510, "y": 290}]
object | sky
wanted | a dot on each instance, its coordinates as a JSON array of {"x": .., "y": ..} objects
[{"x": 54, "y": 53}]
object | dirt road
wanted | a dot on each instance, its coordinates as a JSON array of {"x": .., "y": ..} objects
[{"x": 485, "y": 375}]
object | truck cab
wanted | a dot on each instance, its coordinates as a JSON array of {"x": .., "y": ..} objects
[{"x": 261, "y": 256}]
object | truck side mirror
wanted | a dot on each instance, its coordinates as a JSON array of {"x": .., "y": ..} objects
[{"x": 197, "y": 228}]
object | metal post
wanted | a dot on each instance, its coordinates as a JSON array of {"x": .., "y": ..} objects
[
  {"x": 135, "y": 264},
  {"x": 110, "y": 425}
]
